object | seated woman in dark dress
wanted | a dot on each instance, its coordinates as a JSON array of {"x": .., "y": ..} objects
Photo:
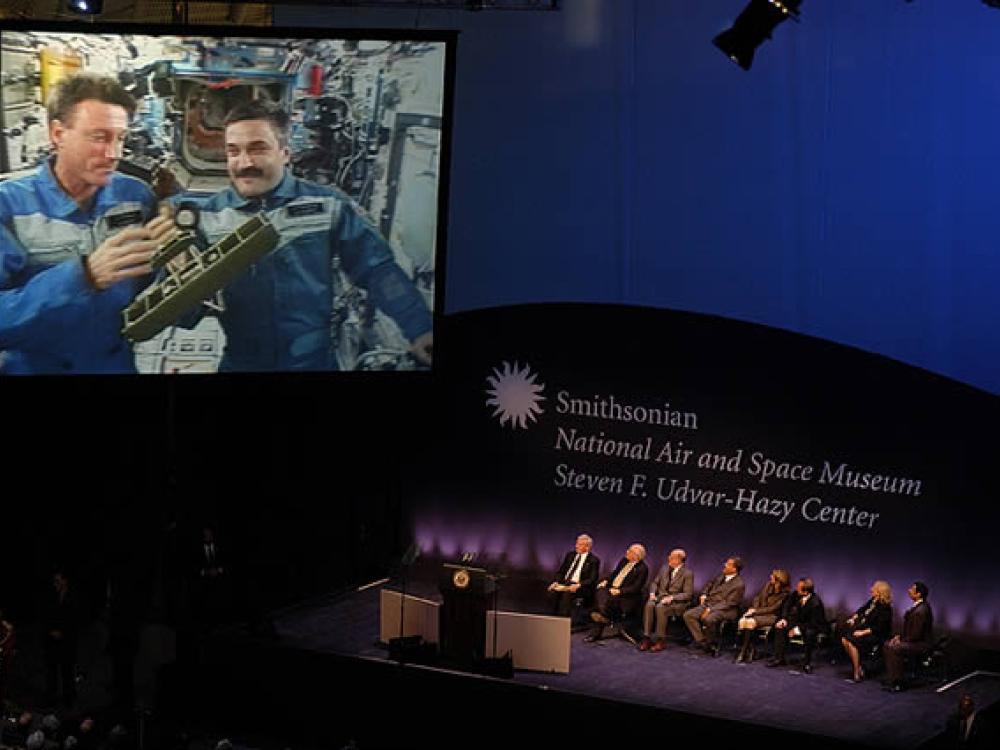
[
  {"x": 763, "y": 611},
  {"x": 870, "y": 625}
]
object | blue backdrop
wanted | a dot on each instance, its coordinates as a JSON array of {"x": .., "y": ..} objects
[{"x": 844, "y": 188}]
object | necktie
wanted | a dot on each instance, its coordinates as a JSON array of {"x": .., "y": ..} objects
[
  {"x": 620, "y": 578},
  {"x": 573, "y": 568}
]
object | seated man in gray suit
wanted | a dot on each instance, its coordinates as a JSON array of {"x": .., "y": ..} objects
[
  {"x": 720, "y": 600},
  {"x": 670, "y": 593}
]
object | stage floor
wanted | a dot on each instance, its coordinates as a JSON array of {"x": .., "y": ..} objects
[{"x": 678, "y": 679}]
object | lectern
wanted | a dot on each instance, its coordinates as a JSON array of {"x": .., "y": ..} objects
[{"x": 467, "y": 594}]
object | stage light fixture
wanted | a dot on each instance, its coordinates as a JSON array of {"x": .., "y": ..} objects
[
  {"x": 85, "y": 7},
  {"x": 752, "y": 27}
]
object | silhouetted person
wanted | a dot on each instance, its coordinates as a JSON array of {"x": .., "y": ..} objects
[
  {"x": 8, "y": 639},
  {"x": 968, "y": 728},
  {"x": 59, "y": 619},
  {"x": 17, "y": 732},
  {"x": 212, "y": 581}
]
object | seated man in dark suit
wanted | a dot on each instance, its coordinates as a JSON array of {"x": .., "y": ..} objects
[
  {"x": 620, "y": 594},
  {"x": 575, "y": 578},
  {"x": 670, "y": 593},
  {"x": 720, "y": 600},
  {"x": 915, "y": 640},
  {"x": 802, "y": 614}
]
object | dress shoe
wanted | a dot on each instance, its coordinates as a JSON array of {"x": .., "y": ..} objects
[
  {"x": 591, "y": 639},
  {"x": 712, "y": 649},
  {"x": 598, "y": 617},
  {"x": 645, "y": 644},
  {"x": 777, "y": 663},
  {"x": 807, "y": 668},
  {"x": 658, "y": 646}
]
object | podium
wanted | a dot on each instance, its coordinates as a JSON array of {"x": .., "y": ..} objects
[{"x": 467, "y": 592}]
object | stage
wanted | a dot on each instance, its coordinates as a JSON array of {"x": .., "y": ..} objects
[{"x": 332, "y": 641}]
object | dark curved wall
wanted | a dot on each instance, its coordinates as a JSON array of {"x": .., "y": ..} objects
[
  {"x": 844, "y": 188},
  {"x": 524, "y": 462}
]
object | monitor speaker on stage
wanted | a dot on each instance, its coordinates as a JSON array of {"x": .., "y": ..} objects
[{"x": 412, "y": 649}]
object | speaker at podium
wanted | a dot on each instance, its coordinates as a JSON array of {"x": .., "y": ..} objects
[{"x": 467, "y": 594}]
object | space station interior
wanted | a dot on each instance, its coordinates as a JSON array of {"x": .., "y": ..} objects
[{"x": 366, "y": 118}]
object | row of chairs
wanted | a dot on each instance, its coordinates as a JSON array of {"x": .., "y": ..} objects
[{"x": 932, "y": 666}]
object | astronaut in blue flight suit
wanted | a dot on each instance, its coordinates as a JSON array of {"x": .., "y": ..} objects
[
  {"x": 277, "y": 314},
  {"x": 75, "y": 240}
]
